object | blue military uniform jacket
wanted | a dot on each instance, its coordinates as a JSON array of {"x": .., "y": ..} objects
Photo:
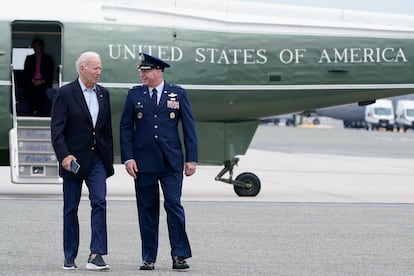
[{"x": 150, "y": 134}]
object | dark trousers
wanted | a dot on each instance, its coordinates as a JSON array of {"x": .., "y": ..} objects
[
  {"x": 148, "y": 204},
  {"x": 36, "y": 99},
  {"x": 72, "y": 190}
]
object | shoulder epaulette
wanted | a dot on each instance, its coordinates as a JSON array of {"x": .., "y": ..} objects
[
  {"x": 136, "y": 87},
  {"x": 172, "y": 85}
]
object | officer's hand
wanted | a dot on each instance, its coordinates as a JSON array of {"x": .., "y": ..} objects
[
  {"x": 66, "y": 162},
  {"x": 131, "y": 168},
  {"x": 189, "y": 168}
]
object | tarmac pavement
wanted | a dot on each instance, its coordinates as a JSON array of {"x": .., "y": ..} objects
[{"x": 227, "y": 238}]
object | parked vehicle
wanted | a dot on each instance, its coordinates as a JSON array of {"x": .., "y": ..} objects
[
  {"x": 380, "y": 115},
  {"x": 404, "y": 115}
]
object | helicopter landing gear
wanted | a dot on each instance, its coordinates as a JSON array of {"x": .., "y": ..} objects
[{"x": 245, "y": 184}]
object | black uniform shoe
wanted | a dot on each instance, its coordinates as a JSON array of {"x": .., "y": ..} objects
[
  {"x": 147, "y": 266},
  {"x": 179, "y": 263}
]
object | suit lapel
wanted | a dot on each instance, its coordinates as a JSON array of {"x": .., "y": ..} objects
[{"x": 101, "y": 102}]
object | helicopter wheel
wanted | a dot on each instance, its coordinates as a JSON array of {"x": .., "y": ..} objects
[{"x": 248, "y": 178}]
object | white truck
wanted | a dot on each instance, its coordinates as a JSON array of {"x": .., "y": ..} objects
[
  {"x": 380, "y": 115},
  {"x": 404, "y": 115}
]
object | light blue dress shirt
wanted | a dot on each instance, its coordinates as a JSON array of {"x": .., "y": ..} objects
[{"x": 91, "y": 99}]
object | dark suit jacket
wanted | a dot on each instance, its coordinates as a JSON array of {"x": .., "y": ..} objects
[
  {"x": 46, "y": 69},
  {"x": 151, "y": 135},
  {"x": 73, "y": 132}
]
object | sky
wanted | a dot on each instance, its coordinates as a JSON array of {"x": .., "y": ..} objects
[{"x": 389, "y": 6}]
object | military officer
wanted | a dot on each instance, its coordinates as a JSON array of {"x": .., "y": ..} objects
[{"x": 152, "y": 153}]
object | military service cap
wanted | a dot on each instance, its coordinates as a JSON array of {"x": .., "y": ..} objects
[{"x": 149, "y": 62}]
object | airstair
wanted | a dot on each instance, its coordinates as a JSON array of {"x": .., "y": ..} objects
[{"x": 32, "y": 158}]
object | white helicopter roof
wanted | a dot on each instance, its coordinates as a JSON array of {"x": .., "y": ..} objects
[{"x": 216, "y": 15}]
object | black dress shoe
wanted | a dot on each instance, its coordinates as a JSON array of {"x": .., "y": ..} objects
[
  {"x": 179, "y": 263},
  {"x": 147, "y": 266}
]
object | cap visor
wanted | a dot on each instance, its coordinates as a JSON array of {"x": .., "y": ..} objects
[{"x": 145, "y": 67}]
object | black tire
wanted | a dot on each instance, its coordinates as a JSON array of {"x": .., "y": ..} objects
[{"x": 251, "y": 179}]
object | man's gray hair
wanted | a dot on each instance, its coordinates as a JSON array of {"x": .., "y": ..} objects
[{"x": 84, "y": 57}]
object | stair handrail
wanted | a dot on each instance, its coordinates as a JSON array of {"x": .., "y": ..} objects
[{"x": 14, "y": 102}]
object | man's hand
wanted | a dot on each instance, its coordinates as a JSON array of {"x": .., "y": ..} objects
[
  {"x": 189, "y": 168},
  {"x": 66, "y": 162},
  {"x": 131, "y": 168}
]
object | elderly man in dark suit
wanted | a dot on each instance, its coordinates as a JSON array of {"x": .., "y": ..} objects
[
  {"x": 81, "y": 131},
  {"x": 152, "y": 153}
]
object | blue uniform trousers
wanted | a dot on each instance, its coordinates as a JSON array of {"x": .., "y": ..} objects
[
  {"x": 72, "y": 190},
  {"x": 148, "y": 203}
]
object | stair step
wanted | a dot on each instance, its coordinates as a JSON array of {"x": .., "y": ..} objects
[{"x": 33, "y": 159}]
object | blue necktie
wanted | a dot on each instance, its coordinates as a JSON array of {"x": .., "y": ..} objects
[{"x": 154, "y": 97}]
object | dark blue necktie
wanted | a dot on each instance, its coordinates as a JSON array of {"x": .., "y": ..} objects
[{"x": 154, "y": 97}]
